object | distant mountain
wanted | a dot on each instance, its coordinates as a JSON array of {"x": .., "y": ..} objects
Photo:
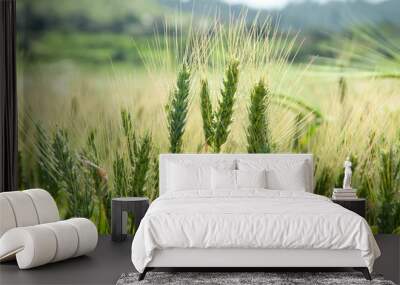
[
  {"x": 340, "y": 15},
  {"x": 304, "y": 16}
]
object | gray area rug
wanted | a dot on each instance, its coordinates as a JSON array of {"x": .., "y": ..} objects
[{"x": 229, "y": 278}]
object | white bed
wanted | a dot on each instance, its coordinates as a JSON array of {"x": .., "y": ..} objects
[{"x": 248, "y": 227}]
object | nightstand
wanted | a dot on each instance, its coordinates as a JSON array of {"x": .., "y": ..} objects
[
  {"x": 119, "y": 214},
  {"x": 357, "y": 205}
]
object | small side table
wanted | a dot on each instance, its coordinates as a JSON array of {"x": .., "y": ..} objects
[
  {"x": 357, "y": 205},
  {"x": 119, "y": 214}
]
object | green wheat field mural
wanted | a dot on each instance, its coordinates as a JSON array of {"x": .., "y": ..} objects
[{"x": 94, "y": 119}]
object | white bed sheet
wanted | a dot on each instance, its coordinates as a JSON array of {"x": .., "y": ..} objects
[{"x": 251, "y": 218}]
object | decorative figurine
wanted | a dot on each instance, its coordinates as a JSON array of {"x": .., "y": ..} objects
[{"x": 347, "y": 174}]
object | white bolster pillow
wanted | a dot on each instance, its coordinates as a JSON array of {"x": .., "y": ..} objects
[
  {"x": 87, "y": 235},
  {"x": 32, "y": 246},
  {"x": 67, "y": 240},
  {"x": 45, "y": 206},
  {"x": 7, "y": 218},
  {"x": 40, "y": 244}
]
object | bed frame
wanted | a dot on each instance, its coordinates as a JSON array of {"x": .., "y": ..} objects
[{"x": 248, "y": 259}]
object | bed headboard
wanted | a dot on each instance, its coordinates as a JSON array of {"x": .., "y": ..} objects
[{"x": 164, "y": 158}]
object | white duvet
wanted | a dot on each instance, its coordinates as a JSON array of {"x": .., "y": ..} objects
[{"x": 250, "y": 218}]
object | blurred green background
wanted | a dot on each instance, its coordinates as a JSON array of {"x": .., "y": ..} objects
[{"x": 98, "y": 32}]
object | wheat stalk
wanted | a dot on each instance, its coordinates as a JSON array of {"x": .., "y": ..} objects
[
  {"x": 258, "y": 135},
  {"x": 207, "y": 114},
  {"x": 177, "y": 110},
  {"x": 223, "y": 116}
]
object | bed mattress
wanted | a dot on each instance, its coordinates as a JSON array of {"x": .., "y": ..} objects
[{"x": 250, "y": 219}]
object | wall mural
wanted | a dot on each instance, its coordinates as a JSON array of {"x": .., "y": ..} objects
[{"x": 104, "y": 87}]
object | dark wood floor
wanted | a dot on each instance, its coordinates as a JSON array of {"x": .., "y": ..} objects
[
  {"x": 103, "y": 266},
  {"x": 110, "y": 259}
]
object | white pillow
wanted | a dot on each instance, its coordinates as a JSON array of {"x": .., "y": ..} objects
[
  {"x": 186, "y": 174},
  {"x": 183, "y": 177},
  {"x": 289, "y": 174},
  {"x": 223, "y": 179},
  {"x": 293, "y": 180},
  {"x": 251, "y": 178}
]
